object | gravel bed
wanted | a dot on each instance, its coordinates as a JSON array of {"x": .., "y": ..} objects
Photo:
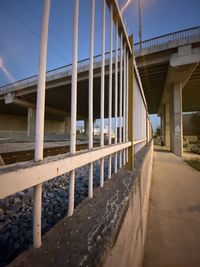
[{"x": 16, "y": 212}]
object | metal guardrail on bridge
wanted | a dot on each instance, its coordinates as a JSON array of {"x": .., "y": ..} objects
[
  {"x": 166, "y": 38},
  {"x": 150, "y": 43},
  {"x": 66, "y": 70}
]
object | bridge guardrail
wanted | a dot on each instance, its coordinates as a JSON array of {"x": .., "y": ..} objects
[
  {"x": 150, "y": 43},
  {"x": 166, "y": 38}
]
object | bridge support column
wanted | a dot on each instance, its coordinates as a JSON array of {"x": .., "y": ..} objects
[
  {"x": 31, "y": 123},
  {"x": 162, "y": 132},
  {"x": 167, "y": 126},
  {"x": 67, "y": 125},
  {"x": 176, "y": 125}
]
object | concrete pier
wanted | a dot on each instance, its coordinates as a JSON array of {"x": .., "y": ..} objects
[{"x": 176, "y": 125}]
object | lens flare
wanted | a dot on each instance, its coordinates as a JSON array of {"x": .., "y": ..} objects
[
  {"x": 125, "y": 5},
  {"x": 6, "y": 72},
  {"x": 1, "y": 62}
]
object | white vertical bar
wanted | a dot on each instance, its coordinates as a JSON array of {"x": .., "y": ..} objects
[
  {"x": 73, "y": 107},
  {"x": 124, "y": 105},
  {"x": 90, "y": 186},
  {"x": 102, "y": 75},
  {"x": 74, "y": 81},
  {"x": 101, "y": 172},
  {"x": 120, "y": 93},
  {"x": 116, "y": 90},
  {"x": 120, "y": 102},
  {"x": 91, "y": 75},
  {"x": 39, "y": 131},
  {"x": 40, "y": 106},
  {"x": 110, "y": 75},
  {"x": 127, "y": 87},
  {"x": 110, "y": 167},
  {"x": 37, "y": 198},
  {"x": 71, "y": 193},
  {"x": 110, "y": 91},
  {"x": 102, "y": 91}
]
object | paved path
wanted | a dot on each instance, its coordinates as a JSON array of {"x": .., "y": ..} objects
[{"x": 173, "y": 233}]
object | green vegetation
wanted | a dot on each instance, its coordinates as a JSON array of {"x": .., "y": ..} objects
[{"x": 194, "y": 163}]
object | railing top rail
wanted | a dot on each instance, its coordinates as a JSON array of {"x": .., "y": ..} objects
[
  {"x": 117, "y": 17},
  {"x": 50, "y": 71},
  {"x": 169, "y": 34},
  {"x": 87, "y": 59}
]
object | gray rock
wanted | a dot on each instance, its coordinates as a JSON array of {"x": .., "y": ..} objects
[
  {"x": 9, "y": 212},
  {"x": 16, "y": 246},
  {"x": 16, "y": 200},
  {"x": 28, "y": 235},
  {"x": 2, "y": 216},
  {"x": 51, "y": 195},
  {"x": 21, "y": 194}
]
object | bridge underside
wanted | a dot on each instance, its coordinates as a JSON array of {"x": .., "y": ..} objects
[
  {"x": 18, "y": 104},
  {"x": 58, "y": 98},
  {"x": 171, "y": 83},
  {"x": 155, "y": 70}
]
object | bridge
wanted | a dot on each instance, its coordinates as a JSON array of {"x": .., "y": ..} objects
[
  {"x": 162, "y": 62},
  {"x": 170, "y": 73},
  {"x": 121, "y": 88}
]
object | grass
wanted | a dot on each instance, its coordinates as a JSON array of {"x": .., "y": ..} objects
[{"x": 194, "y": 163}]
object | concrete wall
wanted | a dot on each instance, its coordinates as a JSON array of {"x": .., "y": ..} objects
[
  {"x": 54, "y": 126},
  {"x": 14, "y": 126},
  {"x": 128, "y": 249},
  {"x": 192, "y": 138},
  {"x": 10, "y": 122},
  {"x": 191, "y": 124}
]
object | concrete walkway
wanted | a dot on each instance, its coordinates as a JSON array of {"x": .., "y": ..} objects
[{"x": 173, "y": 232}]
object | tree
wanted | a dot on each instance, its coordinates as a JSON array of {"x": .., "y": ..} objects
[{"x": 158, "y": 132}]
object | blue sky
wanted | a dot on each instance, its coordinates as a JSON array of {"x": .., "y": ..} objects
[{"x": 20, "y": 22}]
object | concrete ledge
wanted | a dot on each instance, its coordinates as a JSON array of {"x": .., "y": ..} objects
[
  {"x": 108, "y": 230},
  {"x": 128, "y": 250}
]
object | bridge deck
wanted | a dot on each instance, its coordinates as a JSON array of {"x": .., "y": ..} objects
[{"x": 173, "y": 230}]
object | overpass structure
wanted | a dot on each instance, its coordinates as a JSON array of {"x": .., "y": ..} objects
[
  {"x": 169, "y": 68},
  {"x": 111, "y": 86},
  {"x": 165, "y": 62}
]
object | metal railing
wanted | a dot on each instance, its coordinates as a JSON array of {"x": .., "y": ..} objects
[
  {"x": 67, "y": 69},
  {"x": 34, "y": 173},
  {"x": 63, "y": 71},
  {"x": 166, "y": 38}
]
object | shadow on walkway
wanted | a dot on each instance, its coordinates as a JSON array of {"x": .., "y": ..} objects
[{"x": 161, "y": 149}]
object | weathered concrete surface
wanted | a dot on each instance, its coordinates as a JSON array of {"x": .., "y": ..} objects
[
  {"x": 15, "y": 126},
  {"x": 112, "y": 220},
  {"x": 173, "y": 236},
  {"x": 128, "y": 249},
  {"x": 176, "y": 121},
  {"x": 82, "y": 240}
]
